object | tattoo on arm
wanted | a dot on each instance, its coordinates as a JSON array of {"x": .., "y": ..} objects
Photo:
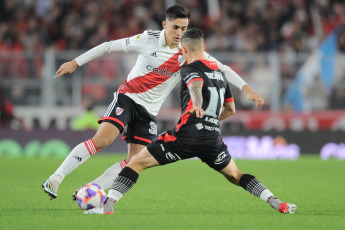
[{"x": 195, "y": 92}]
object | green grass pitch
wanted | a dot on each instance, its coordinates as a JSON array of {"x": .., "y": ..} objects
[{"x": 183, "y": 195}]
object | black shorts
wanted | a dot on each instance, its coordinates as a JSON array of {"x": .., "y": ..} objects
[
  {"x": 168, "y": 149},
  {"x": 138, "y": 125}
]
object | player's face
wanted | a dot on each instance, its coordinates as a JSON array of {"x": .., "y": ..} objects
[{"x": 174, "y": 29}]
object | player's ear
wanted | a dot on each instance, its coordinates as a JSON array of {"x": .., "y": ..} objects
[
  {"x": 184, "y": 52},
  {"x": 184, "y": 49},
  {"x": 164, "y": 23}
]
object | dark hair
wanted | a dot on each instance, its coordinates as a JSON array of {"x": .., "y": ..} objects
[
  {"x": 193, "y": 33},
  {"x": 177, "y": 11}
]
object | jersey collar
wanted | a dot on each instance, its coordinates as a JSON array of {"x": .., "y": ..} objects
[
  {"x": 163, "y": 42},
  {"x": 210, "y": 64}
]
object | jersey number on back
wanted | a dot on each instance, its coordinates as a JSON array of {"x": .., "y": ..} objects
[{"x": 213, "y": 103}]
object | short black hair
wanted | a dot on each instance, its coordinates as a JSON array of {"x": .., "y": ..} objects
[
  {"x": 193, "y": 39},
  {"x": 177, "y": 11},
  {"x": 193, "y": 33}
]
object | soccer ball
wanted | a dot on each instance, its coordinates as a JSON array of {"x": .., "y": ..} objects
[{"x": 91, "y": 196}]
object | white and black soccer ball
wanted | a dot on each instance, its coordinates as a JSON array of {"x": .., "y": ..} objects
[{"x": 91, "y": 196}]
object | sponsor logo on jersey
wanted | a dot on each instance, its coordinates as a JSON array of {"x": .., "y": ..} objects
[
  {"x": 210, "y": 128},
  {"x": 199, "y": 126},
  {"x": 119, "y": 110},
  {"x": 181, "y": 60},
  {"x": 212, "y": 120},
  {"x": 159, "y": 71},
  {"x": 220, "y": 159},
  {"x": 138, "y": 36},
  {"x": 154, "y": 54},
  {"x": 172, "y": 156}
]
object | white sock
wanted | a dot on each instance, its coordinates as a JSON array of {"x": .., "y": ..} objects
[
  {"x": 115, "y": 195},
  {"x": 76, "y": 157},
  {"x": 266, "y": 195},
  {"x": 108, "y": 177}
]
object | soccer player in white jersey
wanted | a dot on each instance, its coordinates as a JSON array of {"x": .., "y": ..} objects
[
  {"x": 206, "y": 99},
  {"x": 139, "y": 98}
]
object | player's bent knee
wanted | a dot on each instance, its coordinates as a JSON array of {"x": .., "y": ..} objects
[
  {"x": 136, "y": 166},
  {"x": 142, "y": 161},
  {"x": 102, "y": 143},
  {"x": 105, "y": 135}
]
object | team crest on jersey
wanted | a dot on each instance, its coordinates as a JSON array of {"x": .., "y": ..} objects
[
  {"x": 181, "y": 60},
  {"x": 138, "y": 36},
  {"x": 119, "y": 110}
]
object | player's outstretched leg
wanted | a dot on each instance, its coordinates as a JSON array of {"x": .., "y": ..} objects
[
  {"x": 122, "y": 184},
  {"x": 76, "y": 157},
  {"x": 107, "y": 178},
  {"x": 126, "y": 180},
  {"x": 107, "y": 209},
  {"x": 282, "y": 207},
  {"x": 256, "y": 188}
]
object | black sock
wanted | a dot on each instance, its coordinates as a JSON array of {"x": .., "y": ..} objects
[
  {"x": 255, "y": 187},
  {"x": 125, "y": 181}
]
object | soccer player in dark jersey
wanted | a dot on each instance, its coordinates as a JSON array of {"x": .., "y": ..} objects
[{"x": 206, "y": 99}]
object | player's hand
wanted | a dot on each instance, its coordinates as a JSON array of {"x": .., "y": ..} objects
[
  {"x": 66, "y": 68},
  {"x": 251, "y": 95},
  {"x": 199, "y": 112},
  {"x": 259, "y": 101}
]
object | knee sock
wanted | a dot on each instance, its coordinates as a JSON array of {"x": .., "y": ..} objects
[
  {"x": 255, "y": 187},
  {"x": 123, "y": 183},
  {"x": 109, "y": 176},
  {"x": 76, "y": 157}
]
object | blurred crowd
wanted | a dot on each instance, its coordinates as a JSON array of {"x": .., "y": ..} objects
[
  {"x": 229, "y": 25},
  {"x": 290, "y": 27}
]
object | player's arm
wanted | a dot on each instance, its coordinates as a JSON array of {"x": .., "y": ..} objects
[
  {"x": 100, "y": 50},
  {"x": 134, "y": 43},
  {"x": 195, "y": 91},
  {"x": 237, "y": 81},
  {"x": 228, "y": 105},
  {"x": 228, "y": 110}
]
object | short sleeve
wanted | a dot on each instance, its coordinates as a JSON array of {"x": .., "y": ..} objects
[{"x": 189, "y": 75}]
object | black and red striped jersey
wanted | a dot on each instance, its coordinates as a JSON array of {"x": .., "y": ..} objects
[{"x": 215, "y": 92}]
